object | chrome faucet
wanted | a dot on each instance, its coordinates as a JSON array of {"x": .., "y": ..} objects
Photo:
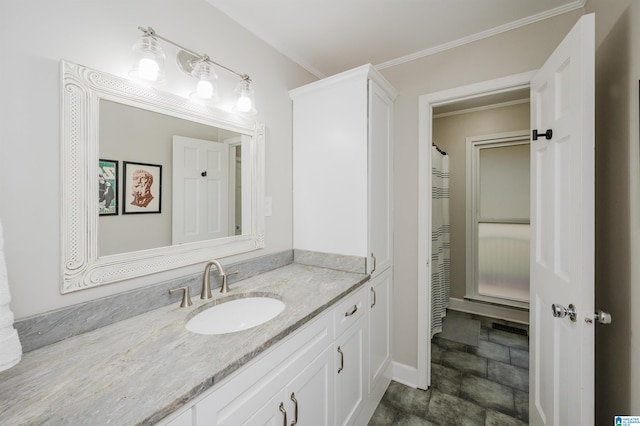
[{"x": 206, "y": 283}]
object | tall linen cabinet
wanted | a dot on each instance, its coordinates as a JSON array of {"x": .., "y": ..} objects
[{"x": 343, "y": 203}]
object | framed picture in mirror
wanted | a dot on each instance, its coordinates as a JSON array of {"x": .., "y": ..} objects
[
  {"x": 141, "y": 188},
  {"x": 107, "y": 187}
]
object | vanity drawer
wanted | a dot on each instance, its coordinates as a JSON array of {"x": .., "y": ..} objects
[{"x": 349, "y": 310}]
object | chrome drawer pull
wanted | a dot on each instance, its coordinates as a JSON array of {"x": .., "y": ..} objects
[
  {"x": 352, "y": 311},
  {"x": 374, "y": 297},
  {"x": 341, "y": 360},
  {"x": 295, "y": 412},
  {"x": 283, "y": 411}
]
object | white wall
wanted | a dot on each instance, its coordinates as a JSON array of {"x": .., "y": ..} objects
[
  {"x": 516, "y": 51},
  {"x": 617, "y": 207},
  {"x": 34, "y": 36}
]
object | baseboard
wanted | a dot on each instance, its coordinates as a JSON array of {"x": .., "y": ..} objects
[
  {"x": 488, "y": 310},
  {"x": 405, "y": 374}
]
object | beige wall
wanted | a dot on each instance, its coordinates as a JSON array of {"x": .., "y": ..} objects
[
  {"x": 34, "y": 36},
  {"x": 450, "y": 134},
  {"x": 520, "y": 50},
  {"x": 617, "y": 207}
]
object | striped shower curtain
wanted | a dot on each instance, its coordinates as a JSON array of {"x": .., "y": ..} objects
[{"x": 440, "y": 261}]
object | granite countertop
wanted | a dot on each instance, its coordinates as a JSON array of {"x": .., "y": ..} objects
[{"x": 139, "y": 370}]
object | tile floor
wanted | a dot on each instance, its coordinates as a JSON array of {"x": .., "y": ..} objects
[{"x": 485, "y": 385}]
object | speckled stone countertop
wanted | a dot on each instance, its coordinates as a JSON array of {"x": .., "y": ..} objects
[{"x": 139, "y": 370}]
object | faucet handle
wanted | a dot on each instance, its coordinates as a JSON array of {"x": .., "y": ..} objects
[
  {"x": 225, "y": 282},
  {"x": 186, "y": 300}
]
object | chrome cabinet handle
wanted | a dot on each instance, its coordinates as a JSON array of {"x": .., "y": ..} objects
[
  {"x": 295, "y": 411},
  {"x": 341, "y": 360},
  {"x": 374, "y": 263},
  {"x": 352, "y": 311},
  {"x": 283, "y": 411},
  {"x": 374, "y": 297}
]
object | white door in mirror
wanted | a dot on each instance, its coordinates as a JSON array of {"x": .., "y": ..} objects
[{"x": 235, "y": 315}]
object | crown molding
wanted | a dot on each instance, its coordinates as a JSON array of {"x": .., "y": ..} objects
[{"x": 569, "y": 7}]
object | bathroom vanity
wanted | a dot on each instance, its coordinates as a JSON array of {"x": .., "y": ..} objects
[
  {"x": 318, "y": 375},
  {"x": 141, "y": 370}
]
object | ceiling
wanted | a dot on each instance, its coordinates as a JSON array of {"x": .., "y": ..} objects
[{"x": 330, "y": 36}]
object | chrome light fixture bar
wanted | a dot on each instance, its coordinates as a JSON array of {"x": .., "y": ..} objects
[{"x": 149, "y": 66}]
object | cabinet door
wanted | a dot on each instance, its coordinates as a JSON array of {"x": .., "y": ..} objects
[
  {"x": 380, "y": 180},
  {"x": 310, "y": 394},
  {"x": 379, "y": 327},
  {"x": 350, "y": 378},
  {"x": 247, "y": 397},
  {"x": 272, "y": 413}
]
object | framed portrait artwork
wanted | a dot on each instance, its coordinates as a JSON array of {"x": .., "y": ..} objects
[
  {"x": 141, "y": 188},
  {"x": 107, "y": 187}
]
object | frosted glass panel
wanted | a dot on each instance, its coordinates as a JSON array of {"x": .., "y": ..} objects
[
  {"x": 503, "y": 260},
  {"x": 502, "y": 197}
]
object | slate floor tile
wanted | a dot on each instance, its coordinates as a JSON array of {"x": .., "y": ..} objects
[
  {"x": 484, "y": 385},
  {"x": 447, "y": 409},
  {"x": 384, "y": 415},
  {"x": 487, "y": 393},
  {"x": 492, "y": 350},
  {"x": 466, "y": 363},
  {"x": 495, "y": 418},
  {"x": 519, "y": 358},
  {"x": 509, "y": 375},
  {"x": 410, "y": 420},
  {"x": 437, "y": 352},
  {"x": 509, "y": 339},
  {"x": 484, "y": 334},
  {"x": 446, "y": 379},
  {"x": 449, "y": 344},
  {"x": 406, "y": 399}
]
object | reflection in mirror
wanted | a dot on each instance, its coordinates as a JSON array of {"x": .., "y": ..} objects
[
  {"x": 198, "y": 173},
  {"x": 201, "y": 186}
]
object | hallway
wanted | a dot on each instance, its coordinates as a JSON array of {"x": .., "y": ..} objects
[{"x": 484, "y": 385}]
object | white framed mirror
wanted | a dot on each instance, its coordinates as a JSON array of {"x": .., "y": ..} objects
[{"x": 115, "y": 129}]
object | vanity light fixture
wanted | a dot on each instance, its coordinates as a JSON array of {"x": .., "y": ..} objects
[
  {"x": 149, "y": 66},
  {"x": 149, "y": 58}
]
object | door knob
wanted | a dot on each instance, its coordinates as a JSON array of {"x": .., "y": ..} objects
[
  {"x": 560, "y": 311},
  {"x": 603, "y": 317}
]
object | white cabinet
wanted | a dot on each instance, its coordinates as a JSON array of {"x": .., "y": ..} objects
[
  {"x": 350, "y": 316},
  {"x": 342, "y": 166},
  {"x": 380, "y": 325},
  {"x": 306, "y": 400},
  {"x": 380, "y": 289},
  {"x": 350, "y": 373},
  {"x": 301, "y": 365}
]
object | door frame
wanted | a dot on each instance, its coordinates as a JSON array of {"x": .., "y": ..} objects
[{"x": 426, "y": 103}]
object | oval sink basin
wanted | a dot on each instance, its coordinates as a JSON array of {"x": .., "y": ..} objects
[{"x": 235, "y": 315}]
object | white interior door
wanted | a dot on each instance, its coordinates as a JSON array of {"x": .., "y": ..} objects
[
  {"x": 562, "y": 233},
  {"x": 200, "y": 190}
]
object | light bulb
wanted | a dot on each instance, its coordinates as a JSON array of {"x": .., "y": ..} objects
[
  {"x": 148, "y": 69},
  {"x": 244, "y": 104},
  {"x": 149, "y": 60},
  {"x": 204, "y": 89}
]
